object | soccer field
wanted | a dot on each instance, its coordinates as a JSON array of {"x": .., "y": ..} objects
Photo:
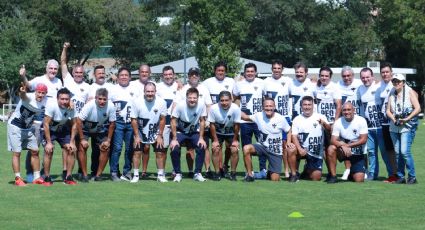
[{"x": 211, "y": 205}]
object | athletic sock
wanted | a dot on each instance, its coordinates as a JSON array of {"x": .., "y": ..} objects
[
  {"x": 36, "y": 175},
  {"x": 136, "y": 172},
  {"x": 160, "y": 172},
  {"x": 18, "y": 174}
]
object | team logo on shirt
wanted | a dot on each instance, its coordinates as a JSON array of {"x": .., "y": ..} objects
[
  {"x": 255, "y": 88},
  {"x": 65, "y": 114},
  {"x": 388, "y": 90},
  {"x": 104, "y": 114},
  {"x": 315, "y": 124},
  {"x": 355, "y": 131},
  {"x": 283, "y": 83},
  {"x": 352, "y": 89},
  {"x": 326, "y": 93},
  {"x": 229, "y": 116},
  {"x": 305, "y": 89},
  {"x": 274, "y": 126},
  {"x": 373, "y": 92},
  {"x": 200, "y": 95},
  {"x": 131, "y": 93},
  {"x": 155, "y": 111},
  {"x": 194, "y": 114},
  {"x": 174, "y": 92},
  {"x": 81, "y": 89},
  {"x": 226, "y": 86}
]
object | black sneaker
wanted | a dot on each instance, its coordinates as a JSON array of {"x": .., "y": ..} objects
[
  {"x": 79, "y": 176},
  {"x": 48, "y": 181},
  {"x": 222, "y": 172},
  {"x": 63, "y": 175},
  {"x": 216, "y": 177},
  {"x": 249, "y": 178},
  {"x": 294, "y": 178},
  {"x": 97, "y": 178},
  {"x": 328, "y": 176},
  {"x": 85, "y": 179},
  {"x": 400, "y": 181},
  {"x": 232, "y": 176},
  {"x": 190, "y": 175},
  {"x": 209, "y": 175},
  {"x": 410, "y": 180},
  {"x": 144, "y": 176},
  {"x": 332, "y": 180},
  {"x": 69, "y": 181}
]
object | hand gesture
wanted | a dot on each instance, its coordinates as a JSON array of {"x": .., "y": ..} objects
[
  {"x": 173, "y": 144},
  {"x": 66, "y": 45},
  {"x": 22, "y": 71},
  {"x": 105, "y": 145}
]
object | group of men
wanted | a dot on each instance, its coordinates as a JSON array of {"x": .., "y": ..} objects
[{"x": 291, "y": 119}]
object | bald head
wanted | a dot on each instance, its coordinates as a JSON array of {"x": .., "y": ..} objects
[{"x": 348, "y": 111}]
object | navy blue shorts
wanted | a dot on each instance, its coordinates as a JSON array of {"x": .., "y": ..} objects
[
  {"x": 247, "y": 130},
  {"x": 275, "y": 161},
  {"x": 97, "y": 137},
  {"x": 313, "y": 163},
  {"x": 62, "y": 138},
  {"x": 155, "y": 149},
  {"x": 223, "y": 138},
  {"x": 357, "y": 164}
]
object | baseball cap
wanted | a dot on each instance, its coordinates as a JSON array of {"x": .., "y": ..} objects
[
  {"x": 41, "y": 87},
  {"x": 193, "y": 71},
  {"x": 399, "y": 77}
]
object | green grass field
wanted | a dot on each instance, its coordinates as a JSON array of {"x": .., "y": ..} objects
[{"x": 211, "y": 205}]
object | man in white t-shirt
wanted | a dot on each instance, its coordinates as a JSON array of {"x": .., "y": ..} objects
[
  {"x": 348, "y": 142},
  {"x": 300, "y": 86},
  {"x": 248, "y": 93},
  {"x": 187, "y": 125},
  {"x": 372, "y": 111},
  {"x": 99, "y": 81},
  {"x": 59, "y": 125},
  {"x": 96, "y": 121},
  {"x": 225, "y": 118},
  {"x": 270, "y": 125},
  {"x": 20, "y": 131},
  {"x": 308, "y": 137},
  {"x": 148, "y": 122}
]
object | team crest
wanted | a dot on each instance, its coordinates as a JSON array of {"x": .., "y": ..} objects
[
  {"x": 326, "y": 93},
  {"x": 355, "y": 131},
  {"x": 353, "y": 89},
  {"x": 229, "y": 116},
  {"x": 200, "y": 95},
  {"x": 131, "y": 94},
  {"x": 282, "y": 83},
  {"x": 315, "y": 124},
  {"x": 388, "y": 90},
  {"x": 194, "y": 114},
  {"x": 373, "y": 92},
  {"x": 174, "y": 92},
  {"x": 305, "y": 89},
  {"x": 65, "y": 114},
  {"x": 226, "y": 86},
  {"x": 274, "y": 126},
  {"x": 104, "y": 114},
  {"x": 81, "y": 89},
  {"x": 155, "y": 111},
  {"x": 255, "y": 88}
]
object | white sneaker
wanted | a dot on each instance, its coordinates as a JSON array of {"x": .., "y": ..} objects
[
  {"x": 346, "y": 174},
  {"x": 261, "y": 175},
  {"x": 161, "y": 178},
  {"x": 178, "y": 177},
  {"x": 135, "y": 179},
  {"x": 199, "y": 177}
]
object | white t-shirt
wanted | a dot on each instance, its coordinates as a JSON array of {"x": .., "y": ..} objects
[
  {"x": 271, "y": 131},
  {"x": 371, "y": 105},
  {"x": 188, "y": 118},
  {"x": 251, "y": 95},
  {"x": 148, "y": 114},
  {"x": 25, "y": 111},
  {"x": 139, "y": 87},
  {"x": 52, "y": 85},
  {"x": 310, "y": 133},
  {"x": 61, "y": 117},
  {"x": 351, "y": 131},
  {"x": 94, "y": 87},
  {"x": 385, "y": 89},
  {"x": 79, "y": 92},
  {"x": 278, "y": 90},
  {"x": 122, "y": 98},
  {"x": 325, "y": 97},
  {"x": 204, "y": 94},
  {"x": 297, "y": 91},
  {"x": 215, "y": 86},
  {"x": 168, "y": 93},
  {"x": 349, "y": 93},
  {"x": 95, "y": 119},
  {"x": 224, "y": 120}
]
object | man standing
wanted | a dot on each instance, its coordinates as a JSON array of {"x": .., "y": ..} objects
[
  {"x": 122, "y": 96},
  {"x": 348, "y": 86},
  {"x": 99, "y": 81},
  {"x": 277, "y": 88},
  {"x": 308, "y": 137},
  {"x": 96, "y": 121},
  {"x": 248, "y": 94},
  {"x": 271, "y": 125},
  {"x": 301, "y": 86},
  {"x": 20, "y": 133},
  {"x": 59, "y": 125},
  {"x": 148, "y": 122},
  {"x": 188, "y": 124},
  {"x": 372, "y": 110},
  {"x": 225, "y": 118},
  {"x": 348, "y": 142}
]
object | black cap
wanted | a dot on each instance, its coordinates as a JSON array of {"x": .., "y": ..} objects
[{"x": 193, "y": 71}]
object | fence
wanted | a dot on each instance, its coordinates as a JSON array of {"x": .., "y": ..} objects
[{"x": 7, "y": 111}]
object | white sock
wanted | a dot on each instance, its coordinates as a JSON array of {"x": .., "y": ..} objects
[
  {"x": 160, "y": 172},
  {"x": 36, "y": 175},
  {"x": 18, "y": 174},
  {"x": 136, "y": 172}
]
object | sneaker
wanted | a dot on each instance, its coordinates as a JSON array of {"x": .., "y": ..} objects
[
  {"x": 96, "y": 178},
  {"x": 199, "y": 177},
  {"x": 400, "y": 181},
  {"x": 162, "y": 179},
  {"x": 294, "y": 178},
  {"x": 144, "y": 175},
  {"x": 412, "y": 180},
  {"x": 287, "y": 175},
  {"x": 38, "y": 181},
  {"x": 178, "y": 177},
  {"x": 114, "y": 177},
  {"x": 30, "y": 177},
  {"x": 191, "y": 175},
  {"x": 79, "y": 176},
  {"x": 19, "y": 182},
  {"x": 126, "y": 177},
  {"x": 232, "y": 176},
  {"x": 332, "y": 180},
  {"x": 48, "y": 181},
  {"x": 249, "y": 178},
  {"x": 135, "y": 179},
  {"x": 63, "y": 175},
  {"x": 216, "y": 177},
  {"x": 261, "y": 175},
  {"x": 346, "y": 174},
  {"x": 69, "y": 181},
  {"x": 173, "y": 174},
  {"x": 391, "y": 179},
  {"x": 210, "y": 175}
]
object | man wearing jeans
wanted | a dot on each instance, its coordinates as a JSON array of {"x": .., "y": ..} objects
[{"x": 371, "y": 109}]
